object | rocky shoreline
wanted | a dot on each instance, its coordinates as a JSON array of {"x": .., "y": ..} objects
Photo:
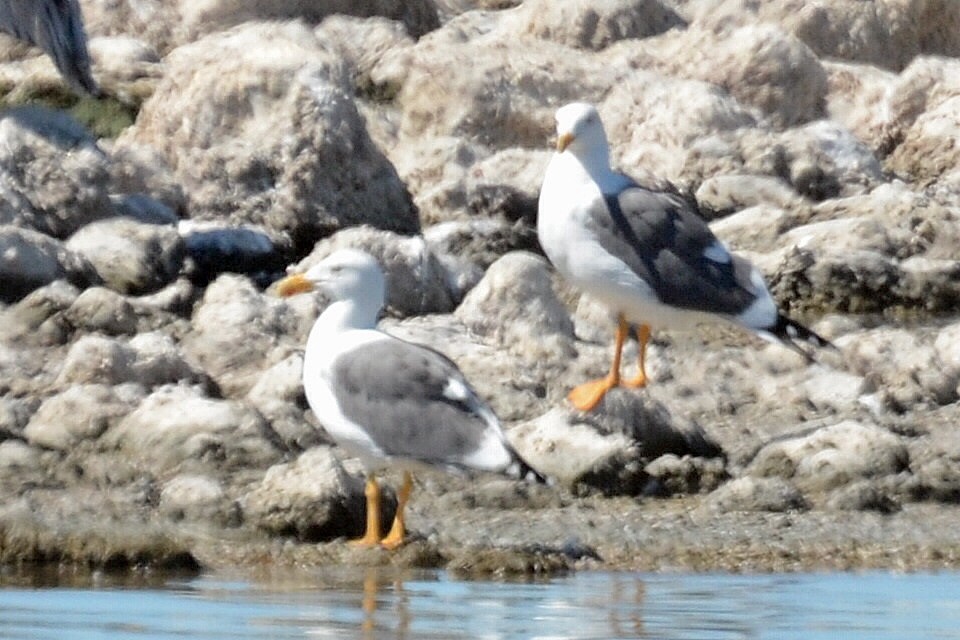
[{"x": 151, "y": 411}]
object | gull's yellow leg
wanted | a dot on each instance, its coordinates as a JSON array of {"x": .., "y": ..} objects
[
  {"x": 640, "y": 380},
  {"x": 589, "y": 394},
  {"x": 372, "y": 536},
  {"x": 395, "y": 538}
]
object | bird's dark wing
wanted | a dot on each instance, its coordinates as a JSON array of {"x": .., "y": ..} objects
[
  {"x": 666, "y": 243},
  {"x": 56, "y": 26}
]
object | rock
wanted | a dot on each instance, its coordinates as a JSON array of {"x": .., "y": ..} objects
[
  {"x": 312, "y": 498},
  {"x": 929, "y": 152},
  {"x": 215, "y": 248},
  {"x": 129, "y": 256},
  {"x": 506, "y": 185},
  {"x": 939, "y": 476},
  {"x": 576, "y": 454},
  {"x": 418, "y": 16},
  {"x": 671, "y": 474},
  {"x": 760, "y": 65},
  {"x": 858, "y": 99},
  {"x": 864, "y": 495},
  {"x": 177, "y": 429},
  {"x": 17, "y": 458},
  {"x": 653, "y": 119},
  {"x": 907, "y": 372},
  {"x": 594, "y": 25},
  {"x": 143, "y": 183},
  {"x": 121, "y": 55},
  {"x": 515, "y": 307},
  {"x": 29, "y": 260},
  {"x": 466, "y": 249},
  {"x": 362, "y": 43},
  {"x": 838, "y": 391},
  {"x": 99, "y": 309},
  {"x": 238, "y": 332},
  {"x": 827, "y": 161},
  {"x": 197, "y": 498},
  {"x": 81, "y": 412},
  {"x": 39, "y": 318},
  {"x": 724, "y": 196},
  {"x": 452, "y": 84},
  {"x": 157, "y": 361},
  {"x": 143, "y": 208},
  {"x": 292, "y": 152},
  {"x": 14, "y": 415},
  {"x": 149, "y": 359},
  {"x": 886, "y": 34},
  {"x": 609, "y": 448},
  {"x": 757, "y": 494},
  {"x": 832, "y": 456},
  {"x": 279, "y": 397},
  {"x": 156, "y": 22},
  {"x": 922, "y": 87},
  {"x": 416, "y": 283},
  {"x": 53, "y": 178},
  {"x": 774, "y": 72}
]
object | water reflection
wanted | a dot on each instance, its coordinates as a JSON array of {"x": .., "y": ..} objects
[{"x": 386, "y": 602}]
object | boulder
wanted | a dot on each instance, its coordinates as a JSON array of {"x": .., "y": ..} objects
[
  {"x": 608, "y": 449},
  {"x": 757, "y": 494},
  {"x": 417, "y": 16},
  {"x": 312, "y": 498},
  {"x": 53, "y": 177},
  {"x": 465, "y": 80},
  {"x": 279, "y": 397},
  {"x": 197, "y": 498},
  {"x": 148, "y": 359},
  {"x": 237, "y": 332},
  {"x": 416, "y": 282},
  {"x": 592, "y": 25},
  {"x": 514, "y": 306},
  {"x": 760, "y": 65},
  {"x": 102, "y": 310},
  {"x": 887, "y": 34},
  {"x": 80, "y": 412},
  {"x": 29, "y": 260},
  {"x": 270, "y": 140},
  {"x": 214, "y": 248},
  {"x": 833, "y": 456},
  {"x": 129, "y": 256},
  {"x": 652, "y": 119},
  {"x": 176, "y": 428},
  {"x": 906, "y": 370},
  {"x": 466, "y": 249}
]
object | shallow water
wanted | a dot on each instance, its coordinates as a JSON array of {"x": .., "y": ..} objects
[{"x": 387, "y": 603}]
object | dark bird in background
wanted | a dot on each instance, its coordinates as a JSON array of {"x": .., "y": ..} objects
[{"x": 56, "y": 26}]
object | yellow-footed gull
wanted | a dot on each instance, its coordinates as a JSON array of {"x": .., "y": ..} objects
[
  {"x": 647, "y": 255},
  {"x": 387, "y": 401}
]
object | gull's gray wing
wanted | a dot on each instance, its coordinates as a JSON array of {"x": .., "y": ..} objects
[{"x": 56, "y": 26}]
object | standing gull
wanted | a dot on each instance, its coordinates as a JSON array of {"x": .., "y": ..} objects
[
  {"x": 387, "y": 401},
  {"x": 56, "y": 26},
  {"x": 647, "y": 255}
]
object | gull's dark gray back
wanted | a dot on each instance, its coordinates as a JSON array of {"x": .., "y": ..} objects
[
  {"x": 666, "y": 243},
  {"x": 56, "y": 26}
]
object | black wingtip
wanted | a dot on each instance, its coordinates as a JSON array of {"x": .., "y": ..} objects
[
  {"x": 521, "y": 470},
  {"x": 793, "y": 334}
]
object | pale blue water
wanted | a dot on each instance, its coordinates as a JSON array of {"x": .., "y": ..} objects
[{"x": 381, "y": 603}]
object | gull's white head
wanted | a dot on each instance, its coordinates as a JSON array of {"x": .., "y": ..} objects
[
  {"x": 346, "y": 274},
  {"x": 580, "y": 132}
]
